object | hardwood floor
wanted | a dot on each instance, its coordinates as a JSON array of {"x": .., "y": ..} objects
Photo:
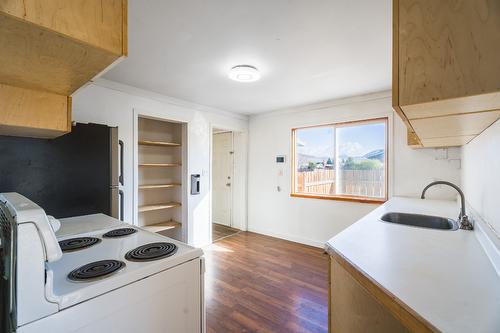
[
  {"x": 220, "y": 231},
  {"x": 256, "y": 283}
]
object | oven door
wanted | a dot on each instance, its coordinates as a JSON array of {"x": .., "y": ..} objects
[{"x": 8, "y": 237}]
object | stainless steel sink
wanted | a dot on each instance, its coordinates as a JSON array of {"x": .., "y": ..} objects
[{"x": 422, "y": 221}]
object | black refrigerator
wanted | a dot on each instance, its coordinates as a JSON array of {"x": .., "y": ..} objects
[{"x": 78, "y": 173}]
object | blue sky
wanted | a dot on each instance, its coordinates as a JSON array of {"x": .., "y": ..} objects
[
  {"x": 317, "y": 141},
  {"x": 353, "y": 141}
]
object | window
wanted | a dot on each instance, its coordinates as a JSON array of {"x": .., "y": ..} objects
[{"x": 344, "y": 161}]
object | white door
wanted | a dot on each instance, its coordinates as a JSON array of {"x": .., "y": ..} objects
[{"x": 222, "y": 178}]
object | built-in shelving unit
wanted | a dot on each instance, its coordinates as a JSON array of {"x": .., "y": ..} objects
[{"x": 160, "y": 177}]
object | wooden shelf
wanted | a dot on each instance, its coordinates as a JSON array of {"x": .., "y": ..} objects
[
  {"x": 164, "y": 165},
  {"x": 156, "y": 186},
  {"x": 147, "y": 208},
  {"x": 158, "y": 143},
  {"x": 168, "y": 225}
]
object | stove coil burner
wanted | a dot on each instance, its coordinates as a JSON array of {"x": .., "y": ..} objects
[
  {"x": 150, "y": 252},
  {"x": 96, "y": 270},
  {"x": 120, "y": 232},
  {"x": 74, "y": 244}
]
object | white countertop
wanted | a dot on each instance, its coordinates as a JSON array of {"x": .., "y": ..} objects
[{"x": 444, "y": 276}]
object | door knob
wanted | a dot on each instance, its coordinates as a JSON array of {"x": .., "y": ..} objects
[{"x": 228, "y": 184}]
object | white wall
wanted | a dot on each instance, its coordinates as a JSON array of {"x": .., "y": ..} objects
[
  {"x": 481, "y": 175},
  {"x": 314, "y": 221},
  {"x": 106, "y": 102},
  {"x": 240, "y": 188}
]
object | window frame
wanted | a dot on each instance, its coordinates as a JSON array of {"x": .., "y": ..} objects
[{"x": 342, "y": 197}]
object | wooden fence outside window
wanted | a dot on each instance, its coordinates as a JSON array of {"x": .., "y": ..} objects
[{"x": 368, "y": 183}]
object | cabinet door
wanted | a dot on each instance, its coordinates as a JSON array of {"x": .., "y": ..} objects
[
  {"x": 447, "y": 49},
  {"x": 48, "y": 50},
  {"x": 354, "y": 310},
  {"x": 25, "y": 112},
  {"x": 96, "y": 22},
  {"x": 58, "y": 46},
  {"x": 446, "y": 86}
]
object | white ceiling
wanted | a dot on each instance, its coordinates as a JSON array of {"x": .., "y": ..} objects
[{"x": 308, "y": 51}]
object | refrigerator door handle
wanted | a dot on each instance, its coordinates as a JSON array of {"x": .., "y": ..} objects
[
  {"x": 120, "y": 177},
  {"x": 122, "y": 204}
]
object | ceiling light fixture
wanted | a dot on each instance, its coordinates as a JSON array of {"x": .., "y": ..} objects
[{"x": 244, "y": 73}]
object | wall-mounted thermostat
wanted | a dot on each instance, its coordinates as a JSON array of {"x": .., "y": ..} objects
[
  {"x": 195, "y": 184},
  {"x": 280, "y": 159}
]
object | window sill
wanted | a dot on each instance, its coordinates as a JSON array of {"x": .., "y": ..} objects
[{"x": 339, "y": 198}]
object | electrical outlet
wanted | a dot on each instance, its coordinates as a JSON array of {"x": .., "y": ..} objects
[{"x": 441, "y": 153}]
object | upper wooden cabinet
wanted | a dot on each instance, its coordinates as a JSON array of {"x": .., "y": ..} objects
[
  {"x": 32, "y": 113},
  {"x": 59, "y": 45},
  {"x": 446, "y": 69},
  {"x": 55, "y": 47}
]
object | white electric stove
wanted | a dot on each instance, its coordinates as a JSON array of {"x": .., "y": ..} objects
[{"x": 96, "y": 274}]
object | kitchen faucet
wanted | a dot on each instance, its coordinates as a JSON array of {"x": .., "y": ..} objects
[{"x": 463, "y": 219}]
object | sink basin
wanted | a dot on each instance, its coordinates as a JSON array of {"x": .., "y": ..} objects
[{"x": 423, "y": 221}]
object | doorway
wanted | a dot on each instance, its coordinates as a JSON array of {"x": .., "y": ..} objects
[{"x": 222, "y": 183}]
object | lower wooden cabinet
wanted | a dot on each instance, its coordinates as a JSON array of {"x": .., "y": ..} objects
[
  {"x": 353, "y": 309},
  {"x": 32, "y": 113},
  {"x": 357, "y": 304}
]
